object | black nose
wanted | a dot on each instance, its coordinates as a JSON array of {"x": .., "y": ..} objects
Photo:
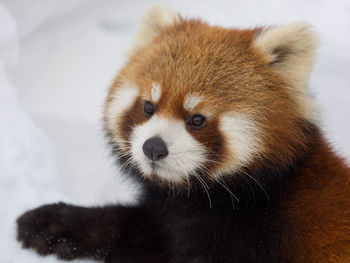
[{"x": 155, "y": 149}]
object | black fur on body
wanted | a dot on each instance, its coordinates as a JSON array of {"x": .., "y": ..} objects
[{"x": 234, "y": 222}]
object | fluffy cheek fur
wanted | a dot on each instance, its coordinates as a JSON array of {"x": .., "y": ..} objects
[
  {"x": 122, "y": 100},
  {"x": 242, "y": 141},
  {"x": 186, "y": 154}
]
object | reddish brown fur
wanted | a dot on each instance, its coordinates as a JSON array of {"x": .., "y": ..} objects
[
  {"x": 316, "y": 209},
  {"x": 134, "y": 116}
]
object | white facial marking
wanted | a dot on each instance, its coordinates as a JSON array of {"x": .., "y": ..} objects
[
  {"x": 242, "y": 138},
  {"x": 123, "y": 98},
  {"x": 185, "y": 153},
  {"x": 191, "y": 101},
  {"x": 156, "y": 92}
]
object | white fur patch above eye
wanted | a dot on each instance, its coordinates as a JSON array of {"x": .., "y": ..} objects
[
  {"x": 242, "y": 138},
  {"x": 122, "y": 99},
  {"x": 156, "y": 92},
  {"x": 191, "y": 101},
  {"x": 185, "y": 154}
]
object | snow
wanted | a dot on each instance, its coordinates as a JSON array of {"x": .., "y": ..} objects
[{"x": 57, "y": 59}]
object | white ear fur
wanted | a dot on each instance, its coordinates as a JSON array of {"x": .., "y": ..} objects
[
  {"x": 156, "y": 17},
  {"x": 291, "y": 50}
]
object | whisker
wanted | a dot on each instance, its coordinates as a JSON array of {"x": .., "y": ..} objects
[
  {"x": 204, "y": 186},
  {"x": 224, "y": 186},
  {"x": 250, "y": 176},
  {"x": 262, "y": 188}
]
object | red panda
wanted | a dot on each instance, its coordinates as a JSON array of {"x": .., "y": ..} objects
[{"x": 219, "y": 128}]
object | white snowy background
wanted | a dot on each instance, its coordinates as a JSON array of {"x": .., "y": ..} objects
[{"x": 57, "y": 59}]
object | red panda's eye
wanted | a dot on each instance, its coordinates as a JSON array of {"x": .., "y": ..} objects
[
  {"x": 148, "y": 108},
  {"x": 197, "y": 121}
]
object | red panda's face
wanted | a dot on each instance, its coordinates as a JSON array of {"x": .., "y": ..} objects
[{"x": 204, "y": 100}]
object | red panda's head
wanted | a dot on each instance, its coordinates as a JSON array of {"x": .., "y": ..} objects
[{"x": 200, "y": 100}]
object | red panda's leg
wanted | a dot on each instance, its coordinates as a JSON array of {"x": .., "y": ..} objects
[{"x": 106, "y": 233}]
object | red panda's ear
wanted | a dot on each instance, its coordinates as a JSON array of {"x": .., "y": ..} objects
[
  {"x": 156, "y": 17},
  {"x": 290, "y": 49}
]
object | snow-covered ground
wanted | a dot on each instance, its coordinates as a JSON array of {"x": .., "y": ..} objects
[{"x": 57, "y": 59}]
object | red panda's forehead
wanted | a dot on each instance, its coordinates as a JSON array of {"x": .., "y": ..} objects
[
  {"x": 199, "y": 57},
  {"x": 193, "y": 58}
]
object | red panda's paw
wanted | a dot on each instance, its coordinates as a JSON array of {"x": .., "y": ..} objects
[{"x": 46, "y": 230}]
